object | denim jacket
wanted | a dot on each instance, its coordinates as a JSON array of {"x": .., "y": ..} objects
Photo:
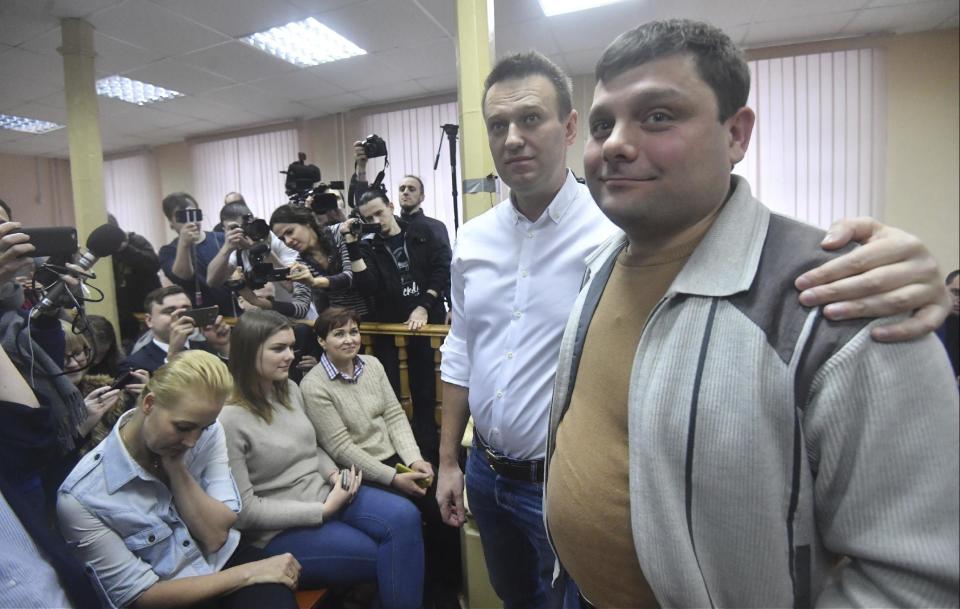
[{"x": 123, "y": 523}]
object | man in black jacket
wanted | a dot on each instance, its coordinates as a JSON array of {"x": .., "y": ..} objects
[
  {"x": 408, "y": 271},
  {"x": 135, "y": 269}
]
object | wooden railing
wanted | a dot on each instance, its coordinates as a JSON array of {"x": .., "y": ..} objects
[{"x": 401, "y": 336}]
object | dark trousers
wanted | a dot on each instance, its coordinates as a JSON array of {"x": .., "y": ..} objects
[
  {"x": 256, "y": 596},
  {"x": 441, "y": 543},
  {"x": 423, "y": 388}
]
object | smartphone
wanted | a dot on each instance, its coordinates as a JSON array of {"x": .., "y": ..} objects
[
  {"x": 422, "y": 482},
  {"x": 204, "y": 316},
  {"x": 52, "y": 240},
  {"x": 123, "y": 380},
  {"x": 188, "y": 214}
]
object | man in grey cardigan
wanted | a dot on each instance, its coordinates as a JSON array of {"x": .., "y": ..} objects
[{"x": 713, "y": 442}]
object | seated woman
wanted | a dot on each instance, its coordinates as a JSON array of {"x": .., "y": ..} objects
[
  {"x": 107, "y": 352},
  {"x": 150, "y": 511},
  {"x": 358, "y": 420},
  {"x": 295, "y": 499},
  {"x": 329, "y": 270}
]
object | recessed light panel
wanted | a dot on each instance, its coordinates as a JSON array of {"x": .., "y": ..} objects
[
  {"x": 133, "y": 91},
  {"x": 304, "y": 43},
  {"x": 559, "y": 7},
  {"x": 27, "y": 125}
]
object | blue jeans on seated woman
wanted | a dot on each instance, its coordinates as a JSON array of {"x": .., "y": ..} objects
[{"x": 376, "y": 537}]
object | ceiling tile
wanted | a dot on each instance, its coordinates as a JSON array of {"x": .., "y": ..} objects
[
  {"x": 238, "y": 61},
  {"x": 111, "y": 108},
  {"x": 43, "y": 144},
  {"x": 233, "y": 18},
  {"x": 515, "y": 36},
  {"x": 209, "y": 110},
  {"x": 431, "y": 59},
  {"x": 335, "y": 103},
  {"x": 583, "y": 61},
  {"x": 145, "y": 118},
  {"x": 512, "y": 11},
  {"x": 151, "y": 27},
  {"x": 298, "y": 85},
  {"x": 380, "y": 25},
  {"x": 604, "y": 24},
  {"x": 117, "y": 57},
  {"x": 902, "y": 18},
  {"x": 27, "y": 89},
  {"x": 439, "y": 84},
  {"x": 396, "y": 91},
  {"x": 357, "y": 72},
  {"x": 315, "y": 7},
  {"x": 22, "y": 20},
  {"x": 785, "y": 31},
  {"x": 257, "y": 101},
  {"x": 443, "y": 11},
  {"x": 173, "y": 74},
  {"x": 17, "y": 63},
  {"x": 776, "y": 10},
  {"x": 77, "y": 8}
]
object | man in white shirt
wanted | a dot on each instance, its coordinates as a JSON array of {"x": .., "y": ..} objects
[{"x": 515, "y": 274}]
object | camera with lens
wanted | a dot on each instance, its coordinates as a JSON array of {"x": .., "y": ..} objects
[
  {"x": 253, "y": 228},
  {"x": 374, "y": 146},
  {"x": 364, "y": 228},
  {"x": 260, "y": 272},
  {"x": 323, "y": 199}
]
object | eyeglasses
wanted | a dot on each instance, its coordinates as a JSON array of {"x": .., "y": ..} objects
[{"x": 76, "y": 356}]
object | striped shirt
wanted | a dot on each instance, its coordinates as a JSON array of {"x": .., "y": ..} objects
[
  {"x": 333, "y": 372},
  {"x": 341, "y": 292}
]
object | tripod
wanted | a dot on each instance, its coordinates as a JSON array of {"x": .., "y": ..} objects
[{"x": 451, "y": 132}]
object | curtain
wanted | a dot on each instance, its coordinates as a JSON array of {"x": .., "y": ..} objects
[
  {"x": 817, "y": 148},
  {"x": 250, "y": 165},
  {"x": 412, "y": 138},
  {"x": 132, "y": 193}
]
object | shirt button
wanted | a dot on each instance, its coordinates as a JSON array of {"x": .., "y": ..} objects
[
  {"x": 96, "y": 457},
  {"x": 524, "y": 273},
  {"x": 499, "y": 394},
  {"x": 509, "y": 354},
  {"x": 152, "y": 538},
  {"x": 186, "y": 543},
  {"x": 517, "y": 314},
  {"x": 529, "y": 235}
]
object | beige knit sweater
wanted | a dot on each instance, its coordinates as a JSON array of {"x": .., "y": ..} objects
[
  {"x": 360, "y": 424},
  {"x": 281, "y": 472}
]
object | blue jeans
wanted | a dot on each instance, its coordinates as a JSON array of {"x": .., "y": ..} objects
[
  {"x": 509, "y": 516},
  {"x": 376, "y": 537}
]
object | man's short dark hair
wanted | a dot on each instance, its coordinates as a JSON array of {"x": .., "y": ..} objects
[
  {"x": 7, "y": 209},
  {"x": 233, "y": 211},
  {"x": 372, "y": 194},
  {"x": 176, "y": 201},
  {"x": 951, "y": 276},
  {"x": 157, "y": 296},
  {"x": 719, "y": 62},
  {"x": 532, "y": 63},
  {"x": 417, "y": 178}
]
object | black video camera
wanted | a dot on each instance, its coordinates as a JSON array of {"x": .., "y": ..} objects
[
  {"x": 374, "y": 146},
  {"x": 260, "y": 272},
  {"x": 322, "y": 199},
  {"x": 253, "y": 228}
]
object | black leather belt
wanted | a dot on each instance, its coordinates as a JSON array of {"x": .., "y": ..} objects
[{"x": 524, "y": 471}]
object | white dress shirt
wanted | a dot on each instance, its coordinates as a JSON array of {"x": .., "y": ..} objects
[{"x": 513, "y": 284}]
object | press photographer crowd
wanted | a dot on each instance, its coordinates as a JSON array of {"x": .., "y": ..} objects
[{"x": 231, "y": 442}]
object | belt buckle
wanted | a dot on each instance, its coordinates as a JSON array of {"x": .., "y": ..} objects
[{"x": 491, "y": 458}]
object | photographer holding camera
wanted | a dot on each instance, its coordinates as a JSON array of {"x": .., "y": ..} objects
[
  {"x": 249, "y": 244},
  {"x": 185, "y": 259}
]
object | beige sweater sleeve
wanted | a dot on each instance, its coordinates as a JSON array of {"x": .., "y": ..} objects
[
  {"x": 332, "y": 432},
  {"x": 261, "y": 513},
  {"x": 401, "y": 435}
]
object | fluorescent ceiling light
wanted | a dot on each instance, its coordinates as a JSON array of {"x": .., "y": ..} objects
[
  {"x": 27, "y": 125},
  {"x": 304, "y": 43},
  {"x": 559, "y": 7},
  {"x": 133, "y": 91}
]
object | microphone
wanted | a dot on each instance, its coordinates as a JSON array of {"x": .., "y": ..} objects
[{"x": 103, "y": 241}]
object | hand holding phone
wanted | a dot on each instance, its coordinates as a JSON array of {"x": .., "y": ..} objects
[
  {"x": 421, "y": 482},
  {"x": 204, "y": 316}
]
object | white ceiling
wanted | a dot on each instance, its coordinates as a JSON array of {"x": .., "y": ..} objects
[{"x": 191, "y": 46}]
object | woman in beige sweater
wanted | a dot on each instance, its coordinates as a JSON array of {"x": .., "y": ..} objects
[
  {"x": 295, "y": 499},
  {"x": 358, "y": 420}
]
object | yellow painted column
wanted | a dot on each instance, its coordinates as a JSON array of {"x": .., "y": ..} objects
[
  {"x": 475, "y": 40},
  {"x": 86, "y": 150}
]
